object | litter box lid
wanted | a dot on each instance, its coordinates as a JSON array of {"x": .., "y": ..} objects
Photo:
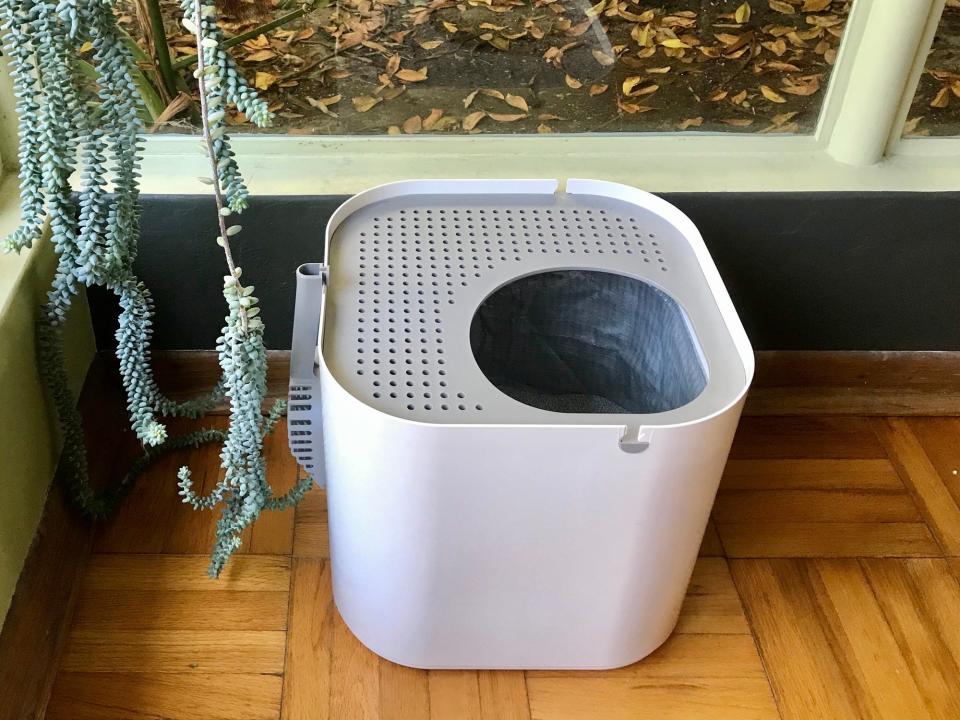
[{"x": 510, "y": 302}]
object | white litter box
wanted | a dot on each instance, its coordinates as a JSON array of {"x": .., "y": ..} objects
[{"x": 520, "y": 400}]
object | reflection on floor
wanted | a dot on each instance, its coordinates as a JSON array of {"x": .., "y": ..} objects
[{"x": 826, "y": 588}]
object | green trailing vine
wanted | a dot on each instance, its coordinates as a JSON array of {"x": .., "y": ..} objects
[{"x": 65, "y": 126}]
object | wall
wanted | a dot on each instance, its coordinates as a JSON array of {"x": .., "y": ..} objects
[
  {"x": 807, "y": 271},
  {"x": 29, "y": 443}
]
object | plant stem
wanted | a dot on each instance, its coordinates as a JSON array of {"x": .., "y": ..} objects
[
  {"x": 243, "y": 37},
  {"x": 160, "y": 49},
  {"x": 212, "y": 155}
]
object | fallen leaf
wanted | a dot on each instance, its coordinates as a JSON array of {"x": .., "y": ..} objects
[
  {"x": 323, "y": 104},
  {"x": 782, "y": 7},
  {"x": 630, "y": 88},
  {"x": 364, "y": 102},
  {"x": 413, "y": 125},
  {"x": 815, "y": 5},
  {"x": 260, "y": 56},
  {"x": 431, "y": 44},
  {"x": 449, "y": 26},
  {"x": 264, "y": 80},
  {"x": 595, "y": 11},
  {"x": 772, "y": 95},
  {"x": 471, "y": 120},
  {"x": 543, "y": 128},
  {"x": 738, "y": 122},
  {"x": 490, "y": 92},
  {"x": 393, "y": 64},
  {"x": 632, "y": 108},
  {"x": 598, "y": 89},
  {"x": 742, "y": 14},
  {"x": 674, "y": 43},
  {"x": 505, "y": 117},
  {"x": 739, "y": 97},
  {"x": 408, "y": 75},
  {"x": 432, "y": 118},
  {"x": 468, "y": 100},
  {"x": 518, "y": 102},
  {"x": 572, "y": 82},
  {"x": 658, "y": 70},
  {"x": 910, "y": 126},
  {"x": 941, "y": 99},
  {"x": 691, "y": 122},
  {"x": 394, "y": 130},
  {"x": 602, "y": 58}
]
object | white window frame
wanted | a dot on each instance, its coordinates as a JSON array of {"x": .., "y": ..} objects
[{"x": 856, "y": 145}]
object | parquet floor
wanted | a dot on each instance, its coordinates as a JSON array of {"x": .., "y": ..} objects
[{"x": 827, "y": 588}]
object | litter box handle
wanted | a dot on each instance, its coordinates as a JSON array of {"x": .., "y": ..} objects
[{"x": 304, "y": 424}]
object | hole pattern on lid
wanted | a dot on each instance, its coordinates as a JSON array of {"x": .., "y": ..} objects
[{"x": 413, "y": 261}]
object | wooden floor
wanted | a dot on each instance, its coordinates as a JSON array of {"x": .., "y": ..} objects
[{"x": 826, "y": 588}]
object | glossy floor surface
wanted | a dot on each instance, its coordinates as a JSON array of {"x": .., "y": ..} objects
[{"x": 827, "y": 587}]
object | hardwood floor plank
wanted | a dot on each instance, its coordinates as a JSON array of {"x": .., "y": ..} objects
[
  {"x": 306, "y": 682},
  {"x": 865, "y": 643},
  {"x": 311, "y": 538},
  {"x": 503, "y": 695},
  {"x": 354, "y": 676},
  {"x": 930, "y": 649},
  {"x": 940, "y": 439},
  {"x": 142, "y": 696},
  {"x": 922, "y": 479},
  {"x": 621, "y": 698},
  {"x": 814, "y": 506},
  {"x": 811, "y": 474},
  {"x": 454, "y": 695},
  {"x": 121, "y": 573},
  {"x": 805, "y": 539},
  {"x": 404, "y": 692},
  {"x": 808, "y": 681},
  {"x": 174, "y": 651},
  {"x": 805, "y": 437},
  {"x": 682, "y": 656},
  {"x": 711, "y": 546},
  {"x": 712, "y": 604}
]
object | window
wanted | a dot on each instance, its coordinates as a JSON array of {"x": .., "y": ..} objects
[
  {"x": 361, "y": 67},
  {"x": 935, "y": 110}
]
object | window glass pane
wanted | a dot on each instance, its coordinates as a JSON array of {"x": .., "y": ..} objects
[
  {"x": 526, "y": 66},
  {"x": 936, "y": 105}
]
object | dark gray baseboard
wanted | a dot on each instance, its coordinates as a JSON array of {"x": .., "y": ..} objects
[{"x": 807, "y": 271}]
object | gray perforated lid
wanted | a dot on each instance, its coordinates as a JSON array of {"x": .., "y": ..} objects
[{"x": 408, "y": 273}]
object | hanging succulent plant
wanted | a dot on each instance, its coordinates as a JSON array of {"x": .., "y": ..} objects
[{"x": 63, "y": 127}]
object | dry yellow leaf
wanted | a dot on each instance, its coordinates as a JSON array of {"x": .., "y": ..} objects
[
  {"x": 393, "y": 130},
  {"x": 393, "y": 64},
  {"x": 543, "y": 128},
  {"x": 572, "y": 82},
  {"x": 471, "y": 120},
  {"x": 659, "y": 70},
  {"x": 691, "y": 122},
  {"x": 941, "y": 99},
  {"x": 408, "y": 75},
  {"x": 430, "y": 120},
  {"x": 596, "y": 9},
  {"x": 739, "y": 97},
  {"x": 910, "y": 126},
  {"x": 633, "y": 108},
  {"x": 260, "y": 56},
  {"x": 815, "y": 5},
  {"x": 631, "y": 89},
  {"x": 413, "y": 125},
  {"x": 738, "y": 122},
  {"x": 598, "y": 89},
  {"x": 518, "y": 102},
  {"x": 641, "y": 35},
  {"x": 449, "y": 26},
  {"x": 772, "y": 95},
  {"x": 364, "y": 102},
  {"x": 782, "y": 7},
  {"x": 955, "y": 87},
  {"x": 86, "y": 47},
  {"x": 742, "y": 14},
  {"x": 675, "y": 43},
  {"x": 602, "y": 58},
  {"x": 490, "y": 92},
  {"x": 431, "y": 44},
  {"x": 264, "y": 80},
  {"x": 506, "y": 117},
  {"x": 468, "y": 100}
]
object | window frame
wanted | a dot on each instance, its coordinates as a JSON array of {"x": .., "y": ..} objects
[{"x": 856, "y": 145}]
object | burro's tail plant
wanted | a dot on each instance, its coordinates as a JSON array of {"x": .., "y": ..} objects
[{"x": 69, "y": 128}]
